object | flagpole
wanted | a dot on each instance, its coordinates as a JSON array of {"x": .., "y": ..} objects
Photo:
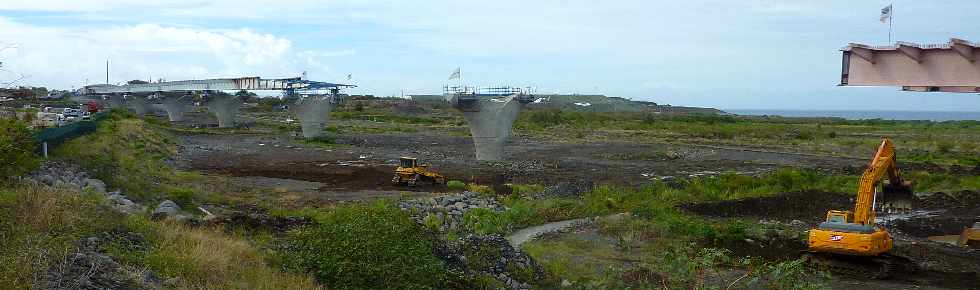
[{"x": 890, "y": 17}]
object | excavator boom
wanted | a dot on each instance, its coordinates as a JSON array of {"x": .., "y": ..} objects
[{"x": 896, "y": 193}]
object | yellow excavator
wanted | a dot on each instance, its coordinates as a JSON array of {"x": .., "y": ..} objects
[{"x": 849, "y": 241}]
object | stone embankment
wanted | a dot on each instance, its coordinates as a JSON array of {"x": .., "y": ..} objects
[
  {"x": 448, "y": 209},
  {"x": 89, "y": 267},
  {"x": 474, "y": 256}
]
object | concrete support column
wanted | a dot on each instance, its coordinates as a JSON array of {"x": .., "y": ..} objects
[
  {"x": 176, "y": 106},
  {"x": 140, "y": 105},
  {"x": 313, "y": 113},
  {"x": 225, "y": 108},
  {"x": 490, "y": 126},
  {"x": 113, "y": 101}
]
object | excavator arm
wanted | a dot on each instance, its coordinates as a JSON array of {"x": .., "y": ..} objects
[{"x": 896, "y": 193}]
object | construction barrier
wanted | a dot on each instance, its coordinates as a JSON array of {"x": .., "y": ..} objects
[{"x": 52, "y": 137}]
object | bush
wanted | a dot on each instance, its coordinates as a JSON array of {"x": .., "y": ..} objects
[
  {"x": 481, "y": 189},
  {"x": 17, "y": 155},
  {"x": 366, "y": 246},
  {"x": 456, "y": 185}
]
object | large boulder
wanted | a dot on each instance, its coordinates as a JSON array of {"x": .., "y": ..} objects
[
  {"x": 166, "y": 209},
  {"x": 122, "y": 204},
  {"x": 95, "y": 185}
]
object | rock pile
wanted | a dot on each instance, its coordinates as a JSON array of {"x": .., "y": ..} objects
[
  {"x": 90, "y": 268},
  {"x": 448, "y": 209},
  {"x": 62, "y": 175},
  {"x": 491, "y": 256},
  {"x": 57, "y": 174},
  {"x": 474, "y": 257}
]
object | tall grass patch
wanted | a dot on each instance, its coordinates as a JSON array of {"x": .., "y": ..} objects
[
  {"x": 366, "y": 246},
  {"x": 39, "y": 226}
]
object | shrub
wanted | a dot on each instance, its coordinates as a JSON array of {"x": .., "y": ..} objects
[
  {"x": 481, "y": 189},
  {"x": 17, "y": 155},
  {"x": 456, "y": 185},
  {"x": 366, "y": 246}
]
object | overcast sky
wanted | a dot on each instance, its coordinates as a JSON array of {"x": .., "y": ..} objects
[{"x": 764, "y": 54}]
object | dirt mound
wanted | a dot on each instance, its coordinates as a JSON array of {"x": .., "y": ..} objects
[
  {"x": 808, "y": 206},
  {"x": 953, "y": 200},
  {"x": 955, "y": 211}
]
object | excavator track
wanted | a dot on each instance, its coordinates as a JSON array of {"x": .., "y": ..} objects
[{"x": 877, "y": 267}]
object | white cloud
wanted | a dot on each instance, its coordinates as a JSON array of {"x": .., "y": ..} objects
[{"x": 63, "y": 57}]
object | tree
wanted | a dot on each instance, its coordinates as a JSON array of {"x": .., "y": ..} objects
[{"x": 17, "y": 146}]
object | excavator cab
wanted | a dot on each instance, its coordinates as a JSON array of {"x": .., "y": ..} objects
[{"x": 838, "y": 216}]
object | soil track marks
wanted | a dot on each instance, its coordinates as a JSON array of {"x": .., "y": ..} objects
[{"x": 808, "y": 206}]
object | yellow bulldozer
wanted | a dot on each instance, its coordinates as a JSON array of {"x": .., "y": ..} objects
[
  {"x": 970, "y": 237},
  {"x": 410, "y": 172}
]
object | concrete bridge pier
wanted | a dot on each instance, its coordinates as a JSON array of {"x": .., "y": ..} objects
[
  {"x": 313, "y": 113},
  {"x": 225, "y": 108},
  {"x": 140, "y": 105},
  {"x": 176, "y": 106},
  {"x": 491, "y": 124},
  {"x": 113, "y": 101}
]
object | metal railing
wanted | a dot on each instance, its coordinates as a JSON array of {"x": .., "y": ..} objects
[{"x": 489, "y": 90}]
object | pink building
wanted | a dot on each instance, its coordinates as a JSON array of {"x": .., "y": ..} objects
[{"x": 947, "y": 67}]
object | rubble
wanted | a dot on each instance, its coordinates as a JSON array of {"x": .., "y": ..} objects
[
  {"x": 90, "y": 268},
  {"x": 491, "y": 256},
  {"x": 448, "y": 209}
]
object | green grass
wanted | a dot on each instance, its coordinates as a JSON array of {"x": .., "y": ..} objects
[
  {"x": 130, "y": 154},
  {"x": 951, "y": 142},
  {"x": 39, "y": 226},
  {"x": 205, "y": 257},
  {"x": 364, "y": 246},
  {"x": 17, "y": 155}
]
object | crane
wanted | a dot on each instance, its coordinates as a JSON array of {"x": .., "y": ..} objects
[{"x": 849, "y": 240}]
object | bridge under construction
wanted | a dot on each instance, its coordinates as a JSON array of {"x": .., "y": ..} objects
[{"x": 316, "y": 99}]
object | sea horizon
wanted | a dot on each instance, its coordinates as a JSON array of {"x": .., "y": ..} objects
[{"x": 904, "y": 115}]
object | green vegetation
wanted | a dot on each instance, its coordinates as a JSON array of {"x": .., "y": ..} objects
[
  {"x": 456, "y": 185},
  {"x": 646, "y": 253},
  {"x": 17, "y": 146},
  {"x": 950, "y": 142},
  {"x": 130, "y": 154},
  {"x": 40, "y": 226},
  {"x": 204, "y": 256},
  {"x": 366, "y": 246}
]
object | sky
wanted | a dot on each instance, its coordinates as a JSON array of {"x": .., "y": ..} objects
[{"x": 750, "y": 54}]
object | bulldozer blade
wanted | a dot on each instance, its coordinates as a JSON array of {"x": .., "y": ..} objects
[{"x": 896, "y": 198}]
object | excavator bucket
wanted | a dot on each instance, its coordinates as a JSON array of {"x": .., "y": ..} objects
[{"x": 896, "y": 198}]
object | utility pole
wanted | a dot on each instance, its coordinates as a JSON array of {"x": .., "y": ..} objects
[{"x": 107, "y": 71}]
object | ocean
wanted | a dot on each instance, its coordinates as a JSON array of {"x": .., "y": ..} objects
[{"x": 862, "y": 115}]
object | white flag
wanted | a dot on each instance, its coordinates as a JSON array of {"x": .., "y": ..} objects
[
  {"x": 455, "y": 74},
  {"x": 886, "y": 13}
]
